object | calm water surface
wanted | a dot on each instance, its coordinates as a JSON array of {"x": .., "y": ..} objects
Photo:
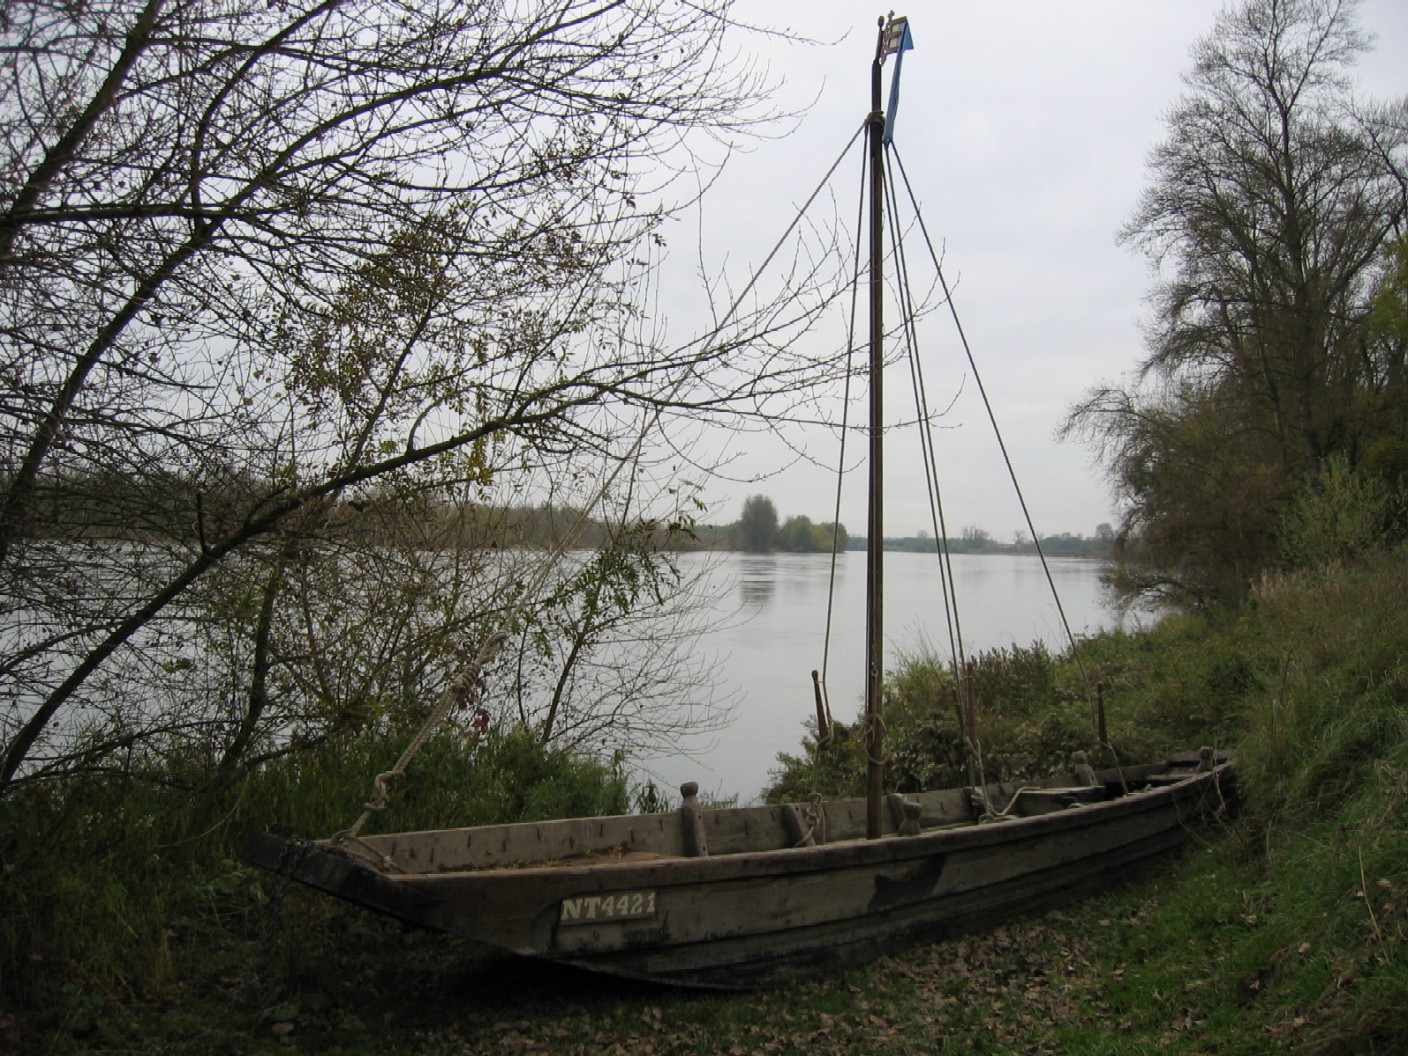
[{"x": 773, "y": 612}]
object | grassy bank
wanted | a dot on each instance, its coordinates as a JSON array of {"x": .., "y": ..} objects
[{"x": 129, "y": 926}]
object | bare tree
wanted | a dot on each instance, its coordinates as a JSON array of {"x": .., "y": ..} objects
[
  {"x": 609, "y": 660},
  {"x": 259, "y": 261},
  {"x": 1273, "y": 207}
]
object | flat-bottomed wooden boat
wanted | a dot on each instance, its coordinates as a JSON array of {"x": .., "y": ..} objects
[{"x": 726, "y": 899}]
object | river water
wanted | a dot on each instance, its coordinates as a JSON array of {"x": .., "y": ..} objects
[{"x": 770, "y": 635}]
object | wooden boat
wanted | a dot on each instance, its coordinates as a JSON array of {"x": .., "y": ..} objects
[
  {"x": 755, "y": 896},
  {"x": 749, "y": 896}
]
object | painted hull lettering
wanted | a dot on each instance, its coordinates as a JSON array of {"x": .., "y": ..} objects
[{"x": 624, "y": 905}]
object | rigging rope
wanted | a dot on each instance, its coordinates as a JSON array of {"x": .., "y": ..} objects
[
  {"x": 997, "y": 433},
  {"x": 459, "y": 692},
  {"x": 960, "y": 667},
  {"x": 840, "y": 472}
]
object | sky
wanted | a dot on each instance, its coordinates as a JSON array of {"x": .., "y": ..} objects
[{"x": 1024, "y": 126}]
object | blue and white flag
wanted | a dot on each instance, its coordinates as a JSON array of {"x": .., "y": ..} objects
[{"x": 897, "y": 42}]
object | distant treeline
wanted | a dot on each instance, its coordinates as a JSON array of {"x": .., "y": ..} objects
[
  {"x": 179, "y": 509},
  {"x": 1063, "y": 544},
  {"x": 168, "y": 508}
]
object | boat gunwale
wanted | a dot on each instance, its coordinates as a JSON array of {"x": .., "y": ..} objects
[
  {"x": 1111, "y": 778},
  {"x": 788, "y": 860}
]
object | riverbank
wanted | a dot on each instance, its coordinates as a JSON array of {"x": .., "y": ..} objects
[
  {"x": 1205, "y": 955},
  {"x": 1287, "y": 931}
]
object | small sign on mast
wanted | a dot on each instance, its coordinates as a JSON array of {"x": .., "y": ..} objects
[{"x": 896, "y": 38}]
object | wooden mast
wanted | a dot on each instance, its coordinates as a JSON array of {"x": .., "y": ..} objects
[{"x": 875, "y": 534}]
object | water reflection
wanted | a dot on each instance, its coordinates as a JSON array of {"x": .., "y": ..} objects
[{"x": 757, "y": 578}]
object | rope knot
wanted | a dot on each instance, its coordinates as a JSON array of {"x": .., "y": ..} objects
[{"x": 382, "y": 786}]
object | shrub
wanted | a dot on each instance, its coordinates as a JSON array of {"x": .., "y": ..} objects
[
  {"x": 116, "y": 889},
  {"x": 1029, "y": 724},
  {"x": 1341, "y": 515}
]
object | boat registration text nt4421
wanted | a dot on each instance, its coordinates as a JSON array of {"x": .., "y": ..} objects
[{"x": 625, "y": 905}]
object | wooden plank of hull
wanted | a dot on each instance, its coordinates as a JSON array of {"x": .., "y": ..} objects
[
  {"x": 340, "y": 875},
  {"x": 499, "y": 846},
  {"x": 775, "y": 958},
  {"x": 727, "y": 832},
  {"x": 754, "y": 918}
]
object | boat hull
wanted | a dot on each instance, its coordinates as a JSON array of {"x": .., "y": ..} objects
[{"x": 763, "y": 918}]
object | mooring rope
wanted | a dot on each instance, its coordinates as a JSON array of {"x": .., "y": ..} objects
[{"x": 459, "y": 692}]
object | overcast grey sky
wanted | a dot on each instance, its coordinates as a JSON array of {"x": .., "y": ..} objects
[{"x": 1024, "y": 126}]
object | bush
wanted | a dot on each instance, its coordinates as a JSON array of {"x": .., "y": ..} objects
[
  {"x": 1342, "y": 515},
  {"x": 1029, "y": 724},
  {"x": 117, "y": 890}
]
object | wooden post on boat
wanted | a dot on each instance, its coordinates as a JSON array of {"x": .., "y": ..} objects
[
  {"x": 1100, "y": 731},
  {"x": 875, "y": 533},
  {"x": 970, "y": 713},
  {"x": 692, "y": 822},
  {"x": 823, "y": 728}
]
